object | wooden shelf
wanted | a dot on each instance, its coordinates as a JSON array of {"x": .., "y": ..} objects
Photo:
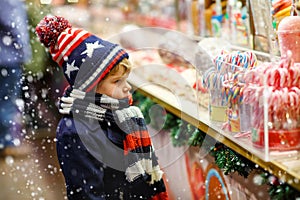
[{"x": 285, "y": 166}]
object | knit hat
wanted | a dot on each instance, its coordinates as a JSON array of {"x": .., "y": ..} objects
[{"x": 84, "y": 57}]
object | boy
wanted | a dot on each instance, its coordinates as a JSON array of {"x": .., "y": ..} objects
[{"x": 103, "y": 145}]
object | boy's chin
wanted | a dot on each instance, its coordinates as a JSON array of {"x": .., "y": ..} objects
[
  {"x": 124, "y": 96},
  {"x": 120, "y": 97}
]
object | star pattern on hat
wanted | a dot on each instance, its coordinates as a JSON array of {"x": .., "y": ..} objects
[
  {"x": 90, "y": 47},
  {"x": 71, "y": 67}
]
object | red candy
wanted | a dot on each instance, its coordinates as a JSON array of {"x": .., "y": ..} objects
[{"x": 50, "y": 28}]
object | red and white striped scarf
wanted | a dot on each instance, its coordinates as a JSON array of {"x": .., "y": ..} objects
[{"x": 142, "y": 162}]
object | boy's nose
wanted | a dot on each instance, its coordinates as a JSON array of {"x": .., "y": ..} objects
[{"x": 128, "y": 87}]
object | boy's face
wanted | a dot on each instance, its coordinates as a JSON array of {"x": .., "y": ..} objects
[{"x": 115, "y": 86}]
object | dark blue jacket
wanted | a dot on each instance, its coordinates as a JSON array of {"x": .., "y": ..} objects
[
  {"x": 14, "y": 35},
  {"x": 92, "y": 161}
]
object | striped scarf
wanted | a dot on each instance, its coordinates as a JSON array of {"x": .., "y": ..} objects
[{"x": 143, "y": 164}]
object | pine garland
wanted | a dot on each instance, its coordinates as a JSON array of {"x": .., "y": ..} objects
[
  {"x": 197, "y": 137},
  {"x": 171, "y": 121},
  {"x": 145, "y": 103},
  {"x": 230, "y": 161},
  {"x": 186, "y": 134},
  {"x": 279, "y": 190},
  {"x": 180, "y": 134}
]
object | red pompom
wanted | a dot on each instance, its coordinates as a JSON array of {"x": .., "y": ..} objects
[{"x": 50, "y": 28}]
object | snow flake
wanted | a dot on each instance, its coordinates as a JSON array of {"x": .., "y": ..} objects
[
  {"x": 90, "y": 47},
  {"x": 7, "y": 40}
]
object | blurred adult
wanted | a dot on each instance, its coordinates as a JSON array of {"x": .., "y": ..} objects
[{"x": 14, "y": 52}]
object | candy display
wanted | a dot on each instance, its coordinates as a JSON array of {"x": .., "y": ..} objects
[
  {"x": 233, "y": 83},
  {"x": 236, "y": 108},
  {"x": 223, "y": 80},
  {"x": 289, "y": 37},
  {"x": 282, "y": 91},
  {"x": 217, "y": 106}
]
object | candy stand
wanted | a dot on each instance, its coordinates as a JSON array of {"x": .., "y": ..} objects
[
  {"x": 253, "y": 97},
  {"x": 241, "y": 93}
]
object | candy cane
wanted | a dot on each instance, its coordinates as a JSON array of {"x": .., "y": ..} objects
[
  {"x": 251, "y": 90},
  {"x": 270, "y": 76},
  {"x": 283, "y": 76},
  {"x": 246, "y": 61},
  {"x": 294, "y": 75},
  {"x": 235, "y": 94},
  {"x": 284, "y": 95},
  {"x": 296, "y": 90},
  {"x": 249, "y": 76},
  {"x": 246, "y": 92},
  {"x": 253, "y": 59},
  {"x": 290, "y": 77},
  {"x": 293, "y": 99}
]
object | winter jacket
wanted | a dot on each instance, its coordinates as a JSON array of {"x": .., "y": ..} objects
[{"x": 91, "y": 158}]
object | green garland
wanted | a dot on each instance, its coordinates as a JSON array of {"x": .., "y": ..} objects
[
  {"x": 186, "y": 134},
  {"x": 230, "y": 161},
  {"x": 183, "y": 133},
  {"x": 180, "y": 134},
  {"x": 279, "y": 190},
  {"x": 197, "y": 137},
  {"x": 145, "y": 104}
]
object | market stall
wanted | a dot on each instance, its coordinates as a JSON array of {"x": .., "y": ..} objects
[{"x": 219, "y": 85}]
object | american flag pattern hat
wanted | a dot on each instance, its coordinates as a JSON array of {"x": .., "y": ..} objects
[{"x": 84, "y": 57}]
